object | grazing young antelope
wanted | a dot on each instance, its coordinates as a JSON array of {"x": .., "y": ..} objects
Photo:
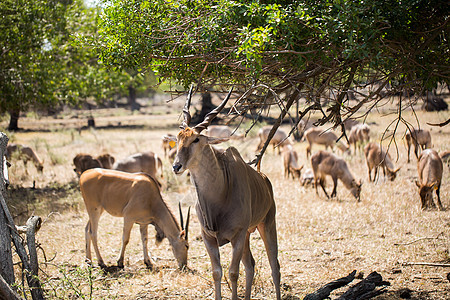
[
  {"x": 279, "y": 138},
  {"x": 137, "y": 199},
  {"x": 430, "y": 169},
  {"x": 316, "y": 135},
  {"x": 377, "y": 157},
  {"x": 325, "y": 163},
  {"x": 290, "y": 162},
  {"x": 25, "y": 154},
  {"x": 420, "y": 138},
  {"x": 233, "y": 201}
]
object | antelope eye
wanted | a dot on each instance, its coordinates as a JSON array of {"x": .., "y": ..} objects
[{"x": 196, "y": 140}]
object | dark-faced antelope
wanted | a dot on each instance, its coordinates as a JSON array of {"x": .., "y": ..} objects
[
  {"x": 430, "y": 169},
  {"x": 137, "y": 199},
  {"x": 83, "y": 162},
  {"x": 25, "y": 154},
  {"x": 377, "y": 157},
  {"x": 325, "y": 163},
  {"x": 420, "y": 138},
  {"x": 233, "y": 201}
]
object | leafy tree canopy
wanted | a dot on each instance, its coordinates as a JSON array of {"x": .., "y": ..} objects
[{"x": 282, "y": 49}]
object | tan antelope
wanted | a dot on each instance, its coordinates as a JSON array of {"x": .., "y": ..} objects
[
  {"x": 430, "y": 169},
  {"x": 233, "y": 201},
  {"x": 359, "y": 134},
  {"x": 325, "y": 163},
  {"x": 25, "y": 154},
  {"x": 168, "y": 144},
  {"x": 83, "y": 162},
  {"x": 279, "y": 139},
  {"x": 378, "y": 157},
  {"x": 420, "y": 138},
  {"x": 320, "y": 136},
  {"x": 147, "y": 162},
  {"x": 137, "y": 199},
  {"x": 290, "y": 162}
]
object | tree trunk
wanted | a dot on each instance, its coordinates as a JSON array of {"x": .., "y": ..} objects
[
  {"x": 14, "y": 120},
  {"x": 207, "y": 106},
  {"x": 132, "y": 98}
]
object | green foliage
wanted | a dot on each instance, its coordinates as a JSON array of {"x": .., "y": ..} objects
[{"x": 268, "y": 41}]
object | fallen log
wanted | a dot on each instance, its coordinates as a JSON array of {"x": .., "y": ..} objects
[
  {"x": 365, "y": 289},
  {"x": 325, "y": 291}
]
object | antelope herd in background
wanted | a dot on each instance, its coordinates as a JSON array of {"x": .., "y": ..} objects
[{"x": 233, "y": 198}]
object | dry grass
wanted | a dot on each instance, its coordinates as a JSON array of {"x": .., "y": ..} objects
[{"x": 319, "y": 239}]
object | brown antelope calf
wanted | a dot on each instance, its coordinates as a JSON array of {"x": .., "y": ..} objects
[
  {"x": 83, "y": 162},
  {"x": 430, "y": 169},
  {"x": 147, "y": 162},
  {"x": 420, "y": 138},
  {"x": 106, "y": 160},
  {"x": 377, "y": 157},
  {"x": 233, "y": 201},
  {"x": 358, "y": 135},
  {"x": 316, "y": 135},
  {"x": 137, "y": 199},
  {"x": 325, "y": 163},
  {"x": 280, "y": 138},
  {"x": 290, "y": 162},
  {"x": 25, "y": 154}
]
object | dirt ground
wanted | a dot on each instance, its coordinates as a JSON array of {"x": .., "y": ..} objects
[{"x": 319, "y": 239}]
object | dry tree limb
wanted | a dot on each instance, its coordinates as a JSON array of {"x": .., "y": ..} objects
[
  {"x": 324, "y": 292},
  {"x": 426, "y": 264},
  {"x": 440, "y": 124},
  {"x": 419, "y": 239}
]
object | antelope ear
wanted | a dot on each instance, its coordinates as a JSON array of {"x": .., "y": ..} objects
[
  {"x": 215, "y": 140},
  {"x": 301, "y": 168},
  {"x": 398, "y": 169},
  {"x": 182, "y": 234},
  {"x": 169, "y": 138},
  {"x": 418, "y": 184}
]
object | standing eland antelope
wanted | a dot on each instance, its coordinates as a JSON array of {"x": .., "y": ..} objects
[
  {"x": 233, "y": 201},
  {"x": 135, "y": 197},
  {"x": 377, "y": 157}
]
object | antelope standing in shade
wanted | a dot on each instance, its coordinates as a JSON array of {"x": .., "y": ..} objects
[
  {"x": 25, "y": 154},
  {"x": 325, "y": 163},
  {"x": 377, "y": 157},
  {"x": 430, "y": 169},
  {"x": 420, "y": 138},
  {"x": 233, "y": 201},
  {"x": 135, "y": 197}
]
